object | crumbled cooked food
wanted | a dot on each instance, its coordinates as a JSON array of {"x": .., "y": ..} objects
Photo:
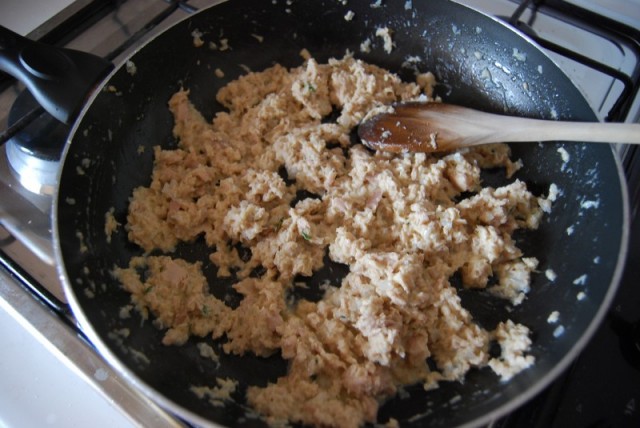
[
  {"x": 110, "y": 223},
  {"x": 365, "y": 46},
  {"x": 550, "y": 274},
  {"x": 131, "y": 68},
  {"x": 207, "y": 351},
  {"x": 403, "y": 224},
  {"x": 559, "y": 331},
  {"x": 219, "y": 394},
  {"x": 514, "y": 341},
  {"x": 385, "y": 34},
  {"x": 197, "y": 38},
  {"x": 176, "y": 293}
]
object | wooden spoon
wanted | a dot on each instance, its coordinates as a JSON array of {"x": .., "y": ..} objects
[{"x": 438, "y": 127}]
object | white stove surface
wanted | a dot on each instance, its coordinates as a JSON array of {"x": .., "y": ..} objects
[
  {"x": 50, "y": 378},
  {"x": 39, "y": 390},
  {"x": 24, "y": 16}
]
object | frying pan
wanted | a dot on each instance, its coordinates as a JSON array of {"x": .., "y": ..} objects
[{"x": 478, "y": 61}]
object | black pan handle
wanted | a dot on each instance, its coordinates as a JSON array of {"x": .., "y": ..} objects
[{"x": 60, "y": 79}]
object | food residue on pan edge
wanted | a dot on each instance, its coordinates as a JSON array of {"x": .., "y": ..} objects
[{"x": 404, "y": 225}]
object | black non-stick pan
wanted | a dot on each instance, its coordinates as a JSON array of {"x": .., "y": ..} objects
[{"x": 478, "y": 61}]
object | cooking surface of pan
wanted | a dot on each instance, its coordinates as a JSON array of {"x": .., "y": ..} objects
[{"x": 478, "y": 62}]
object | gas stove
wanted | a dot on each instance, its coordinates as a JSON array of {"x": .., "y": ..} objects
[{"x": 596, "y": 43}]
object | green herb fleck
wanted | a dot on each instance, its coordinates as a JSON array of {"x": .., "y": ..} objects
[
  {"x": 306, "y": 236},
  {"x": 311, "y": 87},
  {"x": 148, "y": 289}
]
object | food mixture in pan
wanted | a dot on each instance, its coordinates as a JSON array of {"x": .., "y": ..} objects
[{"x": 278, "y": 175}]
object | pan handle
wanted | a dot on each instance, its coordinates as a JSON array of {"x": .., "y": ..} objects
[{"x": 60, "y": 79}]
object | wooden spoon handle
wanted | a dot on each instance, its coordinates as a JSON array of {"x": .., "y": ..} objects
[
  {"x": 437, "y": 127},
  {"x": 515, "y": 129}
]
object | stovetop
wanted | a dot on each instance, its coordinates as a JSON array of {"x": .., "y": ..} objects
[{"x": 604, "y": 61}]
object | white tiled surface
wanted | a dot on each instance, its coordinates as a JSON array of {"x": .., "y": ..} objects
[
  {"x": 627, "y": 11},
  {"x": 38, "y": 390},
  {"x": 23, "y": 16}
]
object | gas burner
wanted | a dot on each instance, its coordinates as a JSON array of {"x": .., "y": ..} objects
[{"x": 34, "y": 152}]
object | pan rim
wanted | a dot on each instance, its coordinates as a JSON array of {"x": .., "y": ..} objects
[{"x": 146, "y": 389}]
